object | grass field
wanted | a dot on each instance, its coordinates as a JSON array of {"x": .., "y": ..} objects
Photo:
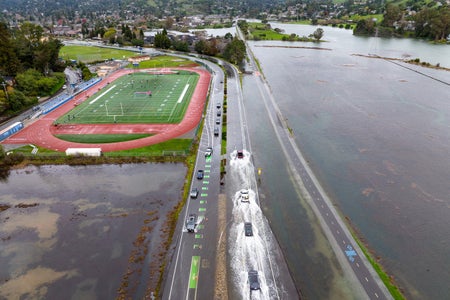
[
  {"x": 100, "y": 138},
  {"x": 90, "y": 54},
  {"x": 166, "y": 61},
  {"x": 164, "y": 148},
  {"x": 137, "y": 98}
]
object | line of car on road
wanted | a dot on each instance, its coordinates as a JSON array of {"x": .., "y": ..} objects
[
  {"x": 244, "y": 197},
  {"x": 191, "y": 221}
]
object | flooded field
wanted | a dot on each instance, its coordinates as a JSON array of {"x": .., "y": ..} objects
[
  {"x": 93, "y": 232},
  {"x": 376, "y": 134}
]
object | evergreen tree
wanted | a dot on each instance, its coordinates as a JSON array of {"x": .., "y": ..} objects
[
  {"x": 9, "y": 63},
  {"x": 162, "y": 40}
]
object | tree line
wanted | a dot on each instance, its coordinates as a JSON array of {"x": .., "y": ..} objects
[
  {"x": 430, "y": 23},
  {"x": 230, "y": 48},
  {"x": 29, "y": 66}
]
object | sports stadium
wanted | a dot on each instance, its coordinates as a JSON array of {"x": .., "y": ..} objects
[{"x": 157, "y": 104}]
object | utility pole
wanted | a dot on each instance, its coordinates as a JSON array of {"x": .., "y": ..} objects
[{"x": 6, "y": 92}]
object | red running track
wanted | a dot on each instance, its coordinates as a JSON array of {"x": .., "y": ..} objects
[{"x": 41, "y": 132}]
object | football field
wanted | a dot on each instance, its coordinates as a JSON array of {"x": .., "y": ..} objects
[{"x": 137, "y": 98}]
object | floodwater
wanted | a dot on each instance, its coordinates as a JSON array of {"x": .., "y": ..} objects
[
  {"x": 77, "y": 232},
  {"x": 344, "y": 42},
  {"x": 249, "y": 252},
  {"x": 376, "y": 134}
]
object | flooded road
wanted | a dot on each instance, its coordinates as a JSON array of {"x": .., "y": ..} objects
[{"x": 90, "y": 232}]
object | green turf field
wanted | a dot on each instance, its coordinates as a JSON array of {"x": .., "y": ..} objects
[
  {"x": 137, "y": 98},
  {"x": 89, "y": 53}
]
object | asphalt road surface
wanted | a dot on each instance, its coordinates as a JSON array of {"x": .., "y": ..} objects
[
  {"x": 202, "y": 264},
  {"x": 192, "y": 273}
]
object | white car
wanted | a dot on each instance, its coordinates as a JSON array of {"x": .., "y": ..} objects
[
  {"x": 208, "y": 152},
  {"x": 244, "y": 195}
]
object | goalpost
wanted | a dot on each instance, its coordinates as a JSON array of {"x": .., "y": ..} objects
[{"x": 114, "y": 115}]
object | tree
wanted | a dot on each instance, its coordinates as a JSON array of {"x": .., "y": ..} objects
[
  {"x": 2, "y": 153},
  {"x": 235, "y": 51},
  {"x": 3, "y": 101},
  {"x": 9, "y": 63},
  {"x": 46, "y": 56},
  {"x": 180, "y": 46},
  {"x": 17, "y": 101},
  {"x": 162, "y": 40},
  {"x": 433, "y": 23},
  {"x": 364, "y": 27},
  {"x": 211, "y": 47},
  {"x": 243, "y": 25},
  {"x": 110, "y": 35},
  {"x": 27, "y": 40},
  {"x": 169, "y": 22},
  {"x": 318, "y": 34},
  {"x": 391, "y": 15},
  {"x": 137, "y": 42},
  {"x": 27, "y": 81},
  {"x": 200, "y": 47}
]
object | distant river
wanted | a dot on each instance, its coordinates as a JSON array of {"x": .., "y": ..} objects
[{"x": 377, "y": 135}]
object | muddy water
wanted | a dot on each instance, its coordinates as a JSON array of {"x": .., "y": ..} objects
[
  {"x": 74, "y": 232},
  {"x": 376, "y": 134}
]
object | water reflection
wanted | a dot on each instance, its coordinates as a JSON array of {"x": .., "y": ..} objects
[
  {"x": 82, "y": 232},
  {"x": 376, "y": 134},
  {"x": 4, "y": 173}
]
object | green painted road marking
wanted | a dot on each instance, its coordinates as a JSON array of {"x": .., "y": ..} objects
[
  {"x": 207, "y": 171},
  {"x": 205, "y": 188},
  {"x": 202, "y": 209},
  {"x": 206, "y": 176},
  {"x": 198, "y": 236},
  {"x": 208, "y": 159},
  {"x": 203, "y": 201},
  {"x": 201, "y": 226},
  {"x": 197, "y": 246},
  {"x": 204, "y": 195},
  {"x": 193, "y": 275},
  {"x": 206, "y": 182},
  {"x": 207, "y": 166}
]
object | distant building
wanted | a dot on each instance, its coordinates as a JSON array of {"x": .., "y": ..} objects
[{"x": 138, "y": 59}]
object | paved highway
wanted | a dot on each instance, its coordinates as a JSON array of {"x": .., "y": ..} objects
[
  {"x": 206, "y": 264},
  {"x": 195, "y": 267}
]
